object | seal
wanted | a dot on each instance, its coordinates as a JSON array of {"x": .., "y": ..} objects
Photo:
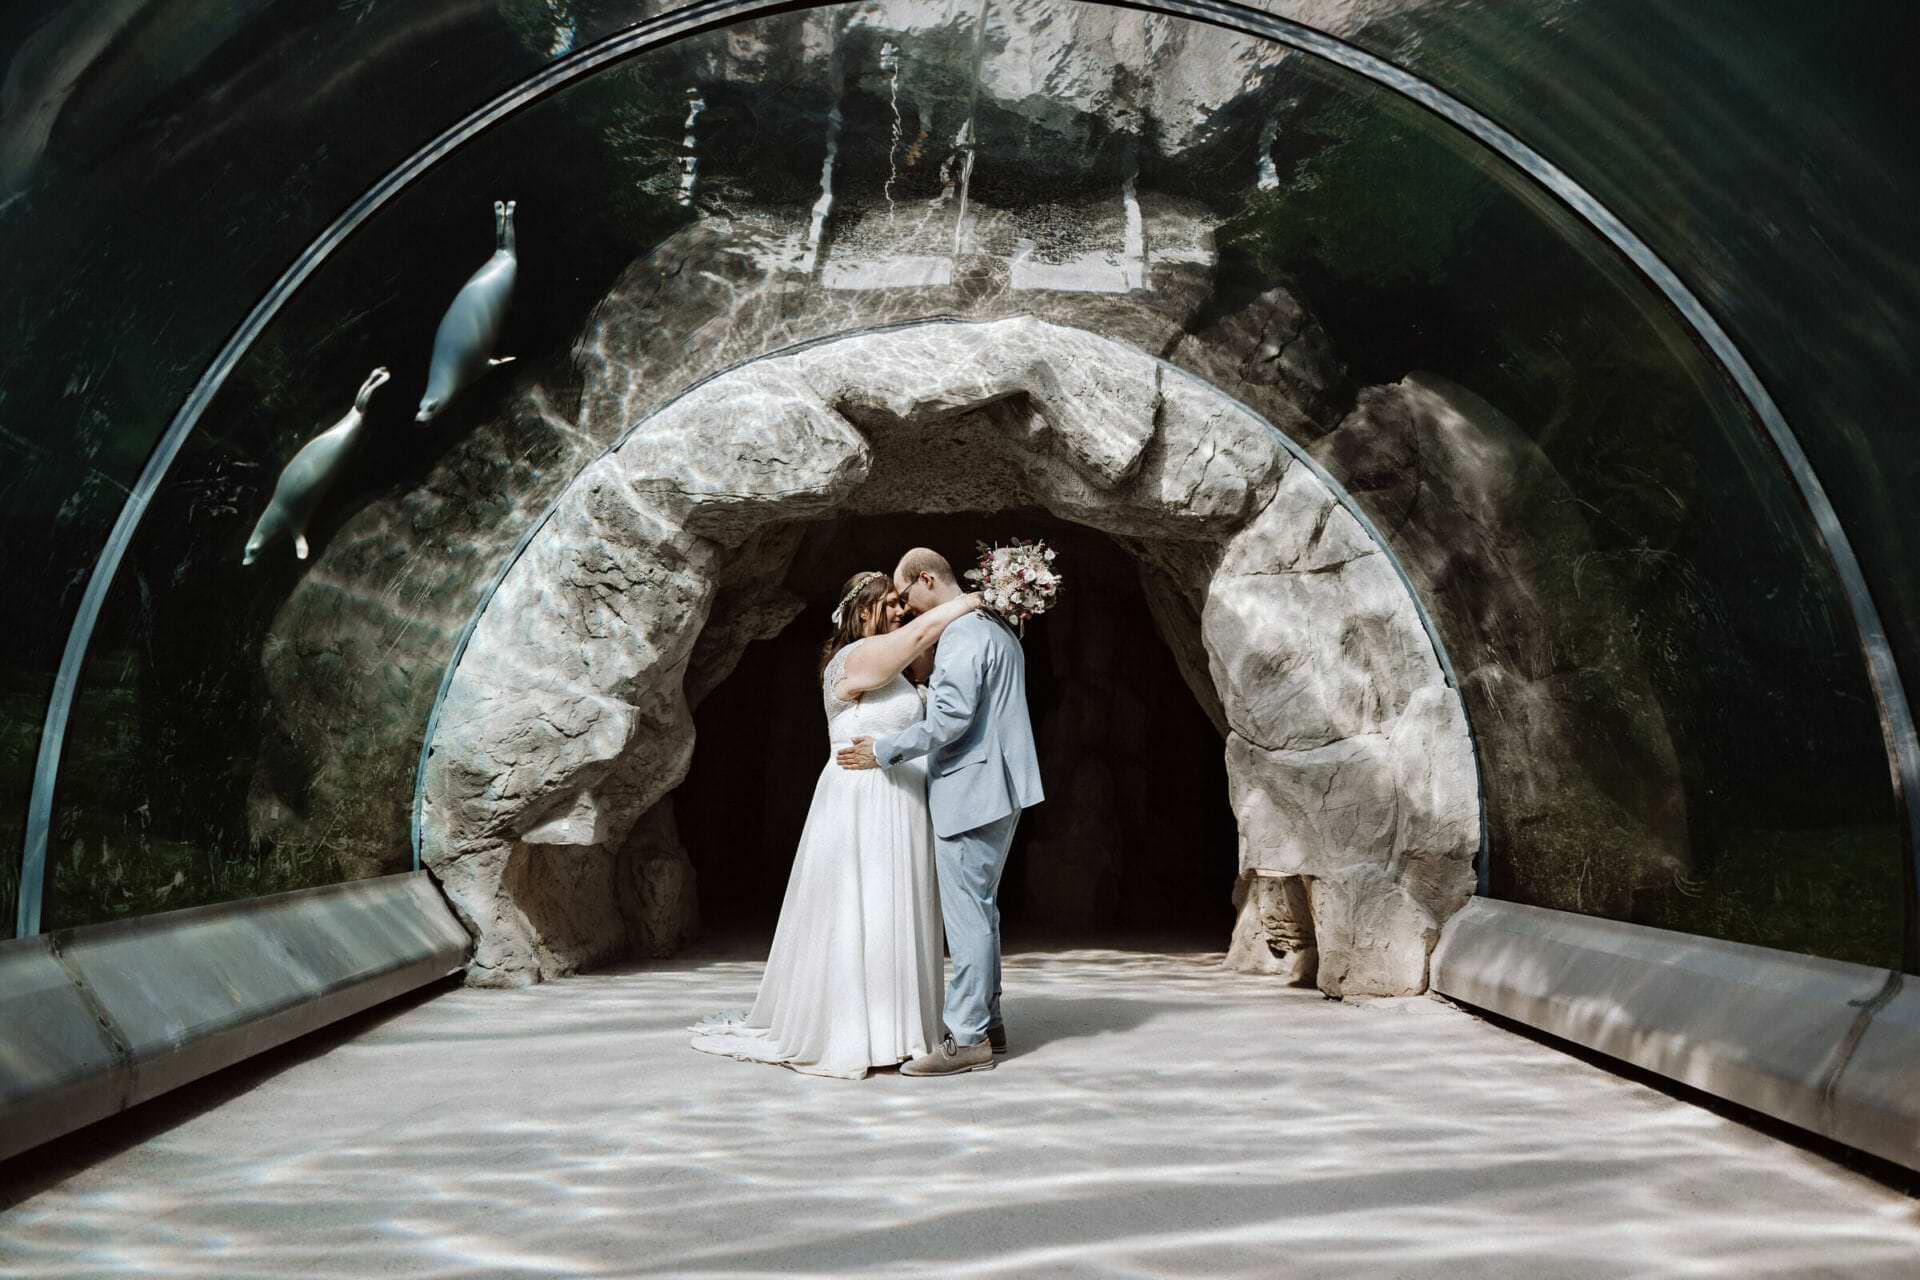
[
  {"x": 305, "y": 480},
  {"x": 463, "y": 345}
]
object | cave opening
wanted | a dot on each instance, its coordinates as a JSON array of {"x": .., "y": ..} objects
[
  {"x": 1136, "y": 842},
  {"x": 549, "y": 803}
]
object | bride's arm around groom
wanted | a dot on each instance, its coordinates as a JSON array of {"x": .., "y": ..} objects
[
  {"x": 879, "y": 658},
  {"x": 953, "y": 700}
]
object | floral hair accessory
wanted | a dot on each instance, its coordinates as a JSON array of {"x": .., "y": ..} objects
[
  {"x": 854, "y": 590},
  {"x": 1017, "y": 580}
]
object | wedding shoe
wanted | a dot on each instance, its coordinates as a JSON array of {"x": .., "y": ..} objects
[{"x": 948, "y": 1058}]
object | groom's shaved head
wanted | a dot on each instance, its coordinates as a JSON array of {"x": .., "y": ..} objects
[{"x": 921, "y": 560}]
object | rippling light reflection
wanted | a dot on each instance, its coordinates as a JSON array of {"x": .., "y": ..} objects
[{"x": 1157, "y": 1117}]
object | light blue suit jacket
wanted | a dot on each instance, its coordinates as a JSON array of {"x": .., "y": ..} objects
[{"x": 981, "y": 761}]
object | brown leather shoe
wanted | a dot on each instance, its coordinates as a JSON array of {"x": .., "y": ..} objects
[
  {"x": 948, "y": 1058},
  {"x": 997, "y": 1037}
]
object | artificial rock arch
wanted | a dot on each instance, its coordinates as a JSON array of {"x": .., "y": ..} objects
[{"x": 568, "y": 722}]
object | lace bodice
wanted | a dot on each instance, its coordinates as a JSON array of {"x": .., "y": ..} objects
[{"x": 889, "y": 709}]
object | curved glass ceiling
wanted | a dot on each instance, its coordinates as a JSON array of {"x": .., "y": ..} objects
[{"x": 239, "y": 729}]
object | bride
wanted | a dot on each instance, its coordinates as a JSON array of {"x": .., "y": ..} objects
[{"x": 854, "y": 977}]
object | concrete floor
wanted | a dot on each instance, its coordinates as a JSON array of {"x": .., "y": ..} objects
[{"x": 1158, "y": 1118}]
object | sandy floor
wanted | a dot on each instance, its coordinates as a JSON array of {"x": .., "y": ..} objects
[{"x": 1157, "y": 1118}]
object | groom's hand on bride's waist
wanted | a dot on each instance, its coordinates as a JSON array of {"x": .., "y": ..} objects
[{"x": 857, "y": 756}]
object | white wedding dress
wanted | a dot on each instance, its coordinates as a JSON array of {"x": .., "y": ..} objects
[{"x": 854, "y": 979}]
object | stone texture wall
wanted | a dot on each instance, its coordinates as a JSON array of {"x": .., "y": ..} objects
[
  {"x": 1578, "y": 758},
  {"x": 1469, "y": 503},
  {"x": 568, "y": 719},
  {"x": 356, "y": 653}
]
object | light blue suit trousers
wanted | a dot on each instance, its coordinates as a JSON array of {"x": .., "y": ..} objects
[{"x": 969, "y": 867}]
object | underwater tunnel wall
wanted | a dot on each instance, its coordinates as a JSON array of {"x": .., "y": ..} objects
[{"x": 1658, "y": 520}]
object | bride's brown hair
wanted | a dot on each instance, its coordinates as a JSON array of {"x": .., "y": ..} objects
[{"x": 859, "y": 597}]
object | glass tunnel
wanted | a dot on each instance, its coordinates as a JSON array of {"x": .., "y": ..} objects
[{"x": 1596, "y": 319}]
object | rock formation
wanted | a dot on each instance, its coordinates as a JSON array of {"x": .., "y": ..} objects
[
  {"x": 1581, "y": 775},
  {"x": 1234, "y": 538},
  {"x": 568, "y": 719}
]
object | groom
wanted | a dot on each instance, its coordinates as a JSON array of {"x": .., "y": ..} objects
[{"x": 982, "y": 771}]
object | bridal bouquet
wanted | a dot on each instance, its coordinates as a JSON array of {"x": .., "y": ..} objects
[{"x": 1017, "y": 580}]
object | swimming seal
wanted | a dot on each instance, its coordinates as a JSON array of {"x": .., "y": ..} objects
[
  {"x": 305, "y": 480},
  {"x": 463, "y": 345}
]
